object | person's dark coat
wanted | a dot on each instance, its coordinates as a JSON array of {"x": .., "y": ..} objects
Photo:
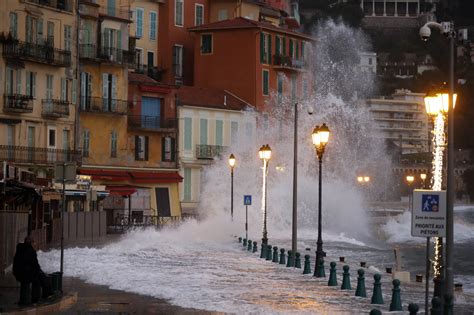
[{"x": 25, "y": 263}]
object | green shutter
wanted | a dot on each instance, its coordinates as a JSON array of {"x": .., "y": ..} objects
[
  {"x": 277, "y": 45},
  {"x": 302, "y": 50},
  {"x": 291, "y": 48},
  {"x": 297, "y": 50},
  {"x": 265, "y": 82},
  {"x": 219, "y": 134},
  {"x": 187, "y": 184},
  {"x": 269, "y": 49},
  {"x": 262, "y": 48},
  {"x": 284, "y": 46},
  {"x": 188, "y": 133},
  {"x": 203, "y": 131}
]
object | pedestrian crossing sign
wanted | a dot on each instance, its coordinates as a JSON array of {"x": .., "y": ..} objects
[{"x": 247, "y": 200}]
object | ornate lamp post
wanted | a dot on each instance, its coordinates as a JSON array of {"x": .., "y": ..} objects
[
  {"x": 320, "y": 139},
  {"x": 232, "y": 164},
  {"x": 265, "y": 153},
  {"x": 410, "y": 179}
]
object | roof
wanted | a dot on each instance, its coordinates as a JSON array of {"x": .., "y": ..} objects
[
  {"x": 140, "y": 78},
  {"x": 210, "y": 98},
  {"x": 243, "y": 23}
]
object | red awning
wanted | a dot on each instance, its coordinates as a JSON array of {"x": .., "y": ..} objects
[
  {"x": 121, "y": 190},
  {"x": 106, "y": 174},
  {"x": 156, "y": 177}
]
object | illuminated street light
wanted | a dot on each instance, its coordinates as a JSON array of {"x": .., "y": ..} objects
[
  {"x": 232, "y": 165},
  {"x": 265, "y": 153}
]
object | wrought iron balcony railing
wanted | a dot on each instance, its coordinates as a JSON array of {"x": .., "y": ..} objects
[
  {"x": 55, "y": 108},
  {"x": 17, "y": 103},
  {"x": 88, "y": 51},
  {"x": 20, "y": 154},
  {"x": 153, "y": 72},
  {"x": 64, "y": 5},
  {"x": 104, "y": 105},
  {"x": 153, "y": 123},
  {"x": 288, "y": 62},
  {"x": 41, "y": 53},
  {"x": 116, "y": 12},
  {"x": 205, "y": 151},
  {"x": 115, "y": 55}
]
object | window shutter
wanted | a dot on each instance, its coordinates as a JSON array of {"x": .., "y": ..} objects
[
  {"x": 269, "y": 60},
  {"x": 28, "y": 84},
  {"x": 284, "y": 46},
  {"x": 137, "y": 148},
  {"x": 163, "y": 152},
  {"x": 114, "y": 93},
  {"x": 63, "y": 89},
  {"x": 28, "y": 29},
  {"x": 173, "y": 149},
  {"x": 146, "y": 148},
  {"x": 18, "y": 81},
  {"x": 262, "y": 48},
  {"x": 83, "y": 90},
  {"x": 9, "y": 81},
  {"x": 302, "y": 50},
  {"x": 291, "y": 48},
  {"x": 105, "y": 91},
  {"x": 277, "y": 45},
  {"x": 33, "y": 84},
  {"x": 39, "y": 31},
  {"x": 297, "y": 50},
  {"x": 74, "y": 91}
]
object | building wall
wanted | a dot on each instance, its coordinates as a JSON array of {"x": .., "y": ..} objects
[{"x": 146, "y": 43}]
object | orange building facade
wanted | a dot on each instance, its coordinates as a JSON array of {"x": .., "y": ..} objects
[{"x": 259, "y": 62}]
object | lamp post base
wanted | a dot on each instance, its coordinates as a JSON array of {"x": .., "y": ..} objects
[{"x": 320, "y": 254}]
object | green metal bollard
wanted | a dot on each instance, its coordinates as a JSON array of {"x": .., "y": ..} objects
[
  {"x": 298, "y": 260},
  {"x": 320, "y": 273},
  {"x": 275, "y": 254},
  {"x": 244, "y": 243},
  {"x": 249, "y": 245},
  {"x": 436, "y": 307},
  {"x": 375, "y": 312},
  {"x": 396, "y": 304},
  {"x": 255, "y": 247},
  {"x": 289, "y": 261},
  {"x": 332, "y": 275},
  {"x": 307, "y": 265},
  {"x": 360, "y": 290},
  {"x": 346, "y": 279},
  {"x": 240, "y": 239},
  {"x": 448, "y": 304},
  {"x": 282, "y": 256},
  {"x": 263, "y": 251},
  {"x": 269, "y": 253},
  {"x": 377, "y": 297},
  {"x": 413, "y": 308}
]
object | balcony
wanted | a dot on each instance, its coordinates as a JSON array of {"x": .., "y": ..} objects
[
  {"x": 151, "y": 123},
  {"x": 17, "y": 103},
  {"x": 88, "y": 51},
  {"x": 89, "y": 8},
  {"x": 115, "y": 55},
  {"x": 208, "y": 152},
  {"x": 63, "y": 5},
  {"x": 55, "y": 108},
  {"x": 286, "y": 62},
  {"x": 117, "y": 13},
  {"x": 32, "y": 155},
  {"x": 103, "y": 105},
  {"x": 41, "y": 53},
  {"x": 153, "y": 72}
]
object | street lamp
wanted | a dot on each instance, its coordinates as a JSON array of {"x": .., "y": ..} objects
[
  {"x": 232, "y": 164},
  {"x": 423, "y": 178},
  {"x": 410, "y": 179},
  {"x": 320, "y": 139},
  {"x": 447, "y": 29},
  {"x": 265, "y": 153}
]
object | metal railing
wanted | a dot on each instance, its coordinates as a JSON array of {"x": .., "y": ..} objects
[
  {"x": 205, "y": 151},
  {"x": 103, "y": 105},
  {"x": 64, "y": 5},
  {"x": 88, "y": 51},
  {"x": 288, "y": 62},
  {"x": 55, "y": 108},
  {"x": 153, "y": 72},
  {"x": 116, "y": 12},
  {"x": 42, "y": 53},
  {"x": 30, "y": 155},
  {"x": 18, "y": 103},
  {"x": 155, "y": 123},
  {"x": 113, "y": 55}
]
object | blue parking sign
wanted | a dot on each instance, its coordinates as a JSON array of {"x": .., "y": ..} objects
[{"x": 247, "y": 200}]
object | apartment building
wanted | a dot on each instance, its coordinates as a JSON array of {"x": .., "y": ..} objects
[
  {"x": 401, "y": 120},
  {"x": 211, "y": 121},
  {"x": 251, "y": 59}
]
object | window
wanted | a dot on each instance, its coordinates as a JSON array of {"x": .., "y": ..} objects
[
  {"x": 278, "y": 46},
  {"x": 265, "y": 82},
  {"x": 67, "y": 37},
  {"x": 234, "y": 130},
  {"x": 74, "y": 91},
  {"x": 139, "y": 23},
  {"x": 178, "y": 12},
  {"x": 49, "y": 87},
  {"x": 30, "y": 29},
  {"x": 219, "y": 132},
  {"x": 85, "y": 142},
  {"x": 187, "y": 185},
  {"x": 167, "y": 149},
  {"x": 265, "y": 48},
  {"x": 14, "y": 24},
  {"x": 111, "y": 7},
  {"x": 178, "y": 60},
  {"x": 109, "y": 92},
  {"x": 50, "y": 32},
  {"x": 113, "y": 143},
  {"x": 280, "y": 78},
  {"x": 222, "y": 15},
  {"x": 206, "y": 43},
  {"x": 188, "y": 127},
  {"x": 30, "y": 84},
  {"x": 86, "y": 90},
  {"x": 51, "y": 138},
  {"x": 292, "y": 52},
  {"x": 66, "y": 139},
  {"x": 64, "y": 88},
  {"x": 153, "y": 25},
  {"x": 199, "y": 15},
  {"x": 141, "y": 148},
  {"x": 203, "y": 131}
]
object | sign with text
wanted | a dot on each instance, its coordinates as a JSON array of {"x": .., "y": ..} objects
[
  {"x": 428, "y": 218},
  {"x": 247, "y": 200}
]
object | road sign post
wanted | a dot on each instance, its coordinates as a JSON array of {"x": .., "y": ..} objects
[
  {"x": 247, "y": 202},
  {"x": 428, "y": 219}
]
